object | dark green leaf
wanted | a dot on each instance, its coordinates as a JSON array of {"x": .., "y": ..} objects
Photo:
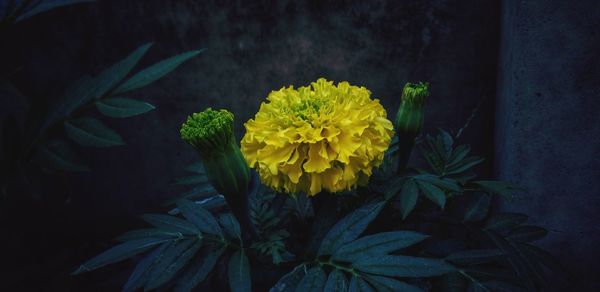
[
  {"x": 289, "y": 281},
  {"x": 444, "y": 183},
  {"x": 196, "y": 167},
  {"x": 89, "y": 131},
  {"x": 408, "y": 198},
  {"x": 503, "y": 189},
  {"x": 527, "y": 233},
  {"x": 58, "y": 155},
  {"x": 477, "y": 207},
  {"x": 171, "y": 261},
  {"x": 139, "y": 276},
  {"x": 357, "y": 284},
  {"x": 459, "y": 153},
  {"x": 314, "y": 280},
  {"x": 43, "y": 6},
  {"x": 198, "y": 271},
  {"x": 336, "y": 282},
  {"x": 505, "y": 221},
  {"x": 394, "y": 187},
  {"x": 433, "y": 193},
  {"x": 349, "y": 228},
  {"x": 474, "y": 256},
  {"x": 148, "y": 233},
  {"x": 118, "y": 253},
  {"x": 201, "y": 218},
  {"x": 170, "y": 223},
  {"x": 230, "y": 225},
  {"x": 239, "y": 272},
  {"x": 392, "y": 285},
  {"x": 402, "y": 266},
  {"x": 155, "y": 72},
  {"x": 197, "y": 193},
  {"x": 521, "y": 268},
  {"x": 463, "y": 165},
  {"x": 122, "y": 107},
  {"x": 378, "y": 244}
]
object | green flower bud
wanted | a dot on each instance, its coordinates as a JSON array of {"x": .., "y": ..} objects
[
  {"x": 211, "y": 133},
  {"x": 409, "y": 119},
  {"x": 411, "y": 113}
]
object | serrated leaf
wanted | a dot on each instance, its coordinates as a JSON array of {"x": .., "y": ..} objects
[
  {"x": 527, "y": 233},
  {"x": 408, "y": 197},
  {"x": 139, "y": 276},
  {"x": 388, "y": 284},
  {"x": 89, "y": 131},
  {"x": 336, "y": 282},
  {"x": 170, "y": 223},
  {"x": 58, "y": 155},
  {"x": 289, "y": 281},
  {"x": 349, "y": 228},
  {"x": 402, "y": 266},
  {"x": 202, "y": 219},
  {"x": 43, "y": 6},
  {"x": 477, "y": 208},
  {"x": 122, "y": 107},
  {"x": 239, "y": 272},
  {"x": 433, "y": 193},
  {"x": 118, "y": 253},
  {"x": 230, "y": 225},
  {"x": 357, "y": 284},
  {"x": 463, "y": 165},
  {"x": 378, "y": 244},
  {"x": 155, "y": 72},
  {"x": 505, "y": 221},
  {"x": 314, "y": 280},
  {"x": 474, "y": 256},
  {"x": 501, "y": 188},
  {"x": 198, "y": 271},
  {"x": 172, "y": 260}
]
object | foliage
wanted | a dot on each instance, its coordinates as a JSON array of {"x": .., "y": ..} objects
[{"x": 446, "y": 237}]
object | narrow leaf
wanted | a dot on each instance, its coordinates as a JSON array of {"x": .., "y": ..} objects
[
  {"x": 148, "y": 233},
  {"x": 239, "y": 273},
  {"x": 444, "y": 183},
  {"x": 139, "y": 276},
  {"x": 170, "y": 223},
  {"x": 433, "y": 193},
  {"x": 122, "y": 107},
  {"x": 89, "y": 131},
  {"x": 408, "y": 198},
  {"x": 173, "y": 259},
  {"x": 155, "y": 72},
  {"x": 44, "y": 6},
  {"x": 505, "y": 221},
  {"x": 388, "y": 284},
  {"x": 475, "y": 256},
  {"x": 527, "y": 233},
  {"x": 118, "y": 253},
  {"x": 477, "y": 208},
  {"x": 378, "y": 244},
  {"x": 402, "y": 266},
  {"x": 357, "y": 284},
  {"x": 349, "y": 228},
  {"x": 230, "y": 226},
  {"x": 58, "y": 155},
  {"x": 198, "y": 271},
  {"x": 202, "y": 219},
  {"x": 463, "y": 165},
  {"x": 314, "y": 280},
  {"x": 501, "y": 188},
  {"x": 336, "y": 282}
]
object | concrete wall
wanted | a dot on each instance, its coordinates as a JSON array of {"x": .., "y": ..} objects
[{"x": 548, "y": 123}]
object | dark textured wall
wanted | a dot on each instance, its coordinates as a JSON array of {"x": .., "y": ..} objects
[
  {"x": 253, "y": 47},
  {"x": 548, "y": 124}
]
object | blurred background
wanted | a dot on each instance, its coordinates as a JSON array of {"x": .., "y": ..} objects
[{"x": 522, "y": 74}]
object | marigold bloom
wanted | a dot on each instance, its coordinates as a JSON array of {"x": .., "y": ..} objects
[{"x": 322, "y": 136}]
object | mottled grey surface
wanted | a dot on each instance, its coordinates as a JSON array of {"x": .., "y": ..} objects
[{"x": 548, "y": 123}]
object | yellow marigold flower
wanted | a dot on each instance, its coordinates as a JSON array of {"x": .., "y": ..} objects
[{"x": 319, "y": 137}]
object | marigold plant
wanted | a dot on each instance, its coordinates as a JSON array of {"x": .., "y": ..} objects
[{"x": 318, "y": 137}]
